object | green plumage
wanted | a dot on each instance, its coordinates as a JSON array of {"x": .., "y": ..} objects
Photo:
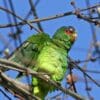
[
  {"x": 27, "y": 53},
  {"x": 47, "y": 55},
  {"x": 51, "y": 60}
]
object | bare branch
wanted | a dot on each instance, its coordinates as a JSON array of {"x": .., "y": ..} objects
[
  {"x": 35, "y": 14},
  {"x": 38, "y": 75},
  {"x": 16, "y": 87},
  {"x": 5, "y": 94},
  {"x": 25, "y": 21},
  {"x": 78, "y": 67},
  {"x": 53, "y": 17}
]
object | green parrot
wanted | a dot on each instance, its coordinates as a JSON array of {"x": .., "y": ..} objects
[{"x": 46, "y": 55}]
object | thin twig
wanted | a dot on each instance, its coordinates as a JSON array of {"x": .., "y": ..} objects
[
  {"x": 92, "y": 71},
  {"x": 92, "y": 59},
  {"x": 78, "y": 67},
  {"x": 16, "y": 87},
  {"x": 52, "y": 17},
  {"x": 35, "y": 14},
  {"x": 92, "y": 27},
  {"x": 5, "y": 94},
  {"x": 72, "y": 84},
  {"x": 25, "y": 21},
  {"x": 87, "y": 87},
  {"x": 10, "y": 21},
  {"x": 38, "y": 20}
]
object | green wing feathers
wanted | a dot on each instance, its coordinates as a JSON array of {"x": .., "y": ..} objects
[{"x": 27, "y": 53}]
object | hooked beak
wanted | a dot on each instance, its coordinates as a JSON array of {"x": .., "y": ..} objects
[{"x": 73, "y": 37}]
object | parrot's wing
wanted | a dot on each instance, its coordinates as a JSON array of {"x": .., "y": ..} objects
[
  {"x": 24, "y": 54},
  {"x": 27, "y": 53}
]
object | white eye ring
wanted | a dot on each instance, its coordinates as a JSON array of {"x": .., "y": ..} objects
[{"x": 71, "y": 29}]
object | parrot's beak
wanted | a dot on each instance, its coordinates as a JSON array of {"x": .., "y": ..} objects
[{"x": 73, "y": 37}]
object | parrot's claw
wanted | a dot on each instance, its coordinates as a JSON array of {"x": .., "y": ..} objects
[{"x": 47, "y": 77}]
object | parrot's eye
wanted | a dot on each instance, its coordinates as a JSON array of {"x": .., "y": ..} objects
[{"x": 70, "y": 30}]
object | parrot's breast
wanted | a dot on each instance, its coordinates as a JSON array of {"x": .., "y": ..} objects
[{"x": 52, "y": 60}]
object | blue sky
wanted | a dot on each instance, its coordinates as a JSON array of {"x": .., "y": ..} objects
[{"x": 48, "y": 8}]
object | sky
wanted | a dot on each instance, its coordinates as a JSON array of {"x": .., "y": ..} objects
[{"x": 47, "y": 8}]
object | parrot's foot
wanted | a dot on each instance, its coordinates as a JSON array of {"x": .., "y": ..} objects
[{"x": 47, "y": 76}]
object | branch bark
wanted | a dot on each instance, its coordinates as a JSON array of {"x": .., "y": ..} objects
[
  {"x": 17, "y": 67},
  {"x": 86, "y": 18}
]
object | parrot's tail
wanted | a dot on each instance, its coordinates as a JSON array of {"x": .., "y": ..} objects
[{"x": 39, "y": 88}]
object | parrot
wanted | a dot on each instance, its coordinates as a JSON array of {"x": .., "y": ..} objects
[{"x": 48, "y": 55}]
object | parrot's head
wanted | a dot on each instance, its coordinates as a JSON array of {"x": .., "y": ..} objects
[{"x": 67, "y": 35}]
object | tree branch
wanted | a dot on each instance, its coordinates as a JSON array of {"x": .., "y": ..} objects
[
  {"x": 16, "y": 87},
  {"x": 25, "y": 21},
  {"x": 86, "y": 18},
  {"x": 15, "y": 66}
]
